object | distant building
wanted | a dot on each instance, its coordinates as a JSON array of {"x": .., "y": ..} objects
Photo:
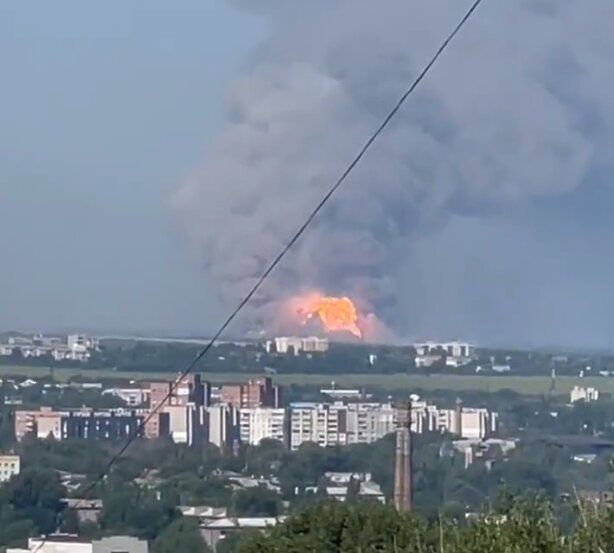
[
  {"x": 133, "y": 397},
  {"x": 10, "y": 466},
  {"x": 454, "y": 354},
  {"x": 70, "y": 543},
  {"x": 223, "y": 425},
  {"x": 215, "y": 531},
  {"x": 339, "y": 423},
  {"x": 296, "y": 344},
  {"x": 262, "y": 423},
  {"x": 74, "y": 347},
  {"x": 86, "y": 510},
  {"x": 42, "y": 423},
  {"x": 89, "y": 424},
  {"x": 337, "y": 486},
  {"x": 256, "y": 393},
  {"x": 486, "y": 450},
  {"x": 583, "y": 394}
]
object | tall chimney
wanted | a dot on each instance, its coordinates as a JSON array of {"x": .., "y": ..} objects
[
  {"x": 403, "y": 458},
  {"x": 458, "y": 423}
]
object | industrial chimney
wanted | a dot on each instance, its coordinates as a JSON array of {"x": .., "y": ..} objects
[{"x": 403, "y": 458}]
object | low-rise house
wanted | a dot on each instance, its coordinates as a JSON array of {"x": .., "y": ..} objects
[
  {"x": 86, "y": 510},
  {"x": 71, "y": 543},
  {"x": 215, "y": 531}
]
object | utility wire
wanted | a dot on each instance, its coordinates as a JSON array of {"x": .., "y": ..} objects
[{"x": 283, "y": 252}]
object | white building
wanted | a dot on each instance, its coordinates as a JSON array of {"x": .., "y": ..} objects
[
  {"x": 583, "y": 394},
  {"x": 70, "y": 543},
  {"x": 262, "y": 423},
  {"x": 338, "y": 484},
  {"x": 133, "y": 397},
  {"x": 296, "y": 344},
  {"x": 223, "y": 425},
  {"x": 9, "y": 466},
  {"x": 338, "y": 423},
  {"x": 456, "y": 354}
]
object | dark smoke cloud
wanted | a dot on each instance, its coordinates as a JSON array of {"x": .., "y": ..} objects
[{"x": 520, "y": 108}]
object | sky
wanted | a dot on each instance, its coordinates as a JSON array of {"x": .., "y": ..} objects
[
  {"x": 131, "y": 136},
  {"x": 103, "y": 108}
]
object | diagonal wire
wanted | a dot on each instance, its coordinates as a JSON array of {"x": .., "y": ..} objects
[{"x": 273, "y": 264}]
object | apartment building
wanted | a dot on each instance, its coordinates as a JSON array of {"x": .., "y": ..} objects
[
  {"x": 10, "y": 465},
  {"x": 222, "y": 425},
  {"x": 296, "y": 344},
  {"x": 256, "y": 393},
  {"x": 89, "y": 424},
  {"x": 262, "y": 423}
]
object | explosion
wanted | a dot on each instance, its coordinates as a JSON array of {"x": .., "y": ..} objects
[{"x": 335, "y": 314}]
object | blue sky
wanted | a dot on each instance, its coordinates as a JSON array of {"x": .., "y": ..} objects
[{"x": 104, "y": 108}]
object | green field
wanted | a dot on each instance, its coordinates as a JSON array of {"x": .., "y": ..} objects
[{"x": 521, "y": 384}]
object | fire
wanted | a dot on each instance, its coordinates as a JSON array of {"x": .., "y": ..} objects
[{"x": 335, "y": 314}]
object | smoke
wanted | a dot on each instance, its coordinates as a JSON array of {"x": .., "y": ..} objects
[{"x": 518, "y": 109}]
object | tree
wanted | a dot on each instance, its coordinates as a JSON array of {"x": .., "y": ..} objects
[
  {"x": 256, "y": 502},
  {"x": 29, "y": 502},
  {"x": 181, "y": 536}
]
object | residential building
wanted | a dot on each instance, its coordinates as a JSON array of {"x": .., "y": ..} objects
[
  {"x": 71, "y": 543},
  {"x": 156, "y": 425},
  {"x": 185, "y": 389},
  {"x": 320, "y": 423},
  {"x": 9, "y": 466},
  {"x": 256, "y": 393},
  {"x": 223, "y": 425},
  {"x": 119, "y": 544},
  {"x": 368, "y": 422},
  {"x": 340, "y": 423},
  {"x": 215, "y": 531},
  {"x": 100, "y": 425},
  {"x": 133, "y": 397},
  {"x": 588, "y": 394},
  {"x": 338, "y": 485},
  {"x": 185, "y": 425},
  {"x": 454, "y": 354},
  {"x": 74, "y": 347},
  {"x": 42, "y": 423},
  {"x": 86, "y": 510},
  {"x": 262, "y": 423},
  {"x": 296, "y": 344},
  {"x": 106, "y": 424},
  {"x": 203, "y": 512}
]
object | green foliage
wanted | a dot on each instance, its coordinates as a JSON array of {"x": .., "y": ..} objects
[
  {"x": 181, "y": 536},
  {"x": 29, "y": 502},
  {"x": 256, "y": 502},
  {"x": 525, "y": 527}
]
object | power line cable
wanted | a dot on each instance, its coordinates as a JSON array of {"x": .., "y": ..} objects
[{"x": 283, "y": 252}]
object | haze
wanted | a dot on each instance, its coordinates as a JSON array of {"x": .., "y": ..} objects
[{"x": 106, "y": 110}]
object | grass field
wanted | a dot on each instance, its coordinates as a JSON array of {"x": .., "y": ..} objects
[{"x": 520, "y": 384}]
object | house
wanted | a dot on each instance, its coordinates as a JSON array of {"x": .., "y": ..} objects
[
  {"x": 215, "y": 531},
  {"x": 86, "y": 510},
  {"x": 71, "y": 543}
]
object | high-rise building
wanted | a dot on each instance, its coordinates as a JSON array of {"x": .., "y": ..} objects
[
  {"x": 255, "y": 393},
  {"x": 262, "y": 423},
  {"x": 223, "y": 425},
  {"x": 339, "y": 423},
  {"x": 41, "y": 424}
]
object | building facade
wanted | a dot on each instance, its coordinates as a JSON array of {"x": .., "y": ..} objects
[
  {"x": 263, "y": 423},
  {"x": 10, "y": 465}
]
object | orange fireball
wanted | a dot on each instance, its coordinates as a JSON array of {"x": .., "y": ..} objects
[{"x": 335, "y": 314}]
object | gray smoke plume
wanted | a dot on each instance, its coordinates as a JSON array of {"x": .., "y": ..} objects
[{"x": 518, "y": 108}]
